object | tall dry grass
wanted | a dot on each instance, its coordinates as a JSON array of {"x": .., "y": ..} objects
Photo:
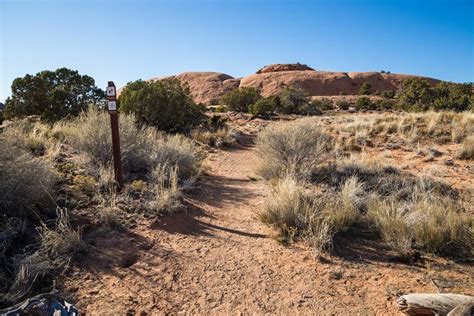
[
  {"x": 410, "y": 213},
  {"x": 25, "y": 181},
  {"x": 142, "y": 148},
  {"x": 297, "y": 213},
  {"x": 293, "y": 149},
  {"x": 466, "y": 151}
]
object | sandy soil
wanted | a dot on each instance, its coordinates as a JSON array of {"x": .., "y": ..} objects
[{"x": 217, "y": 258}]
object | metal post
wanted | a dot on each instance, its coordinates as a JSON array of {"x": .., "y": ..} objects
[{"x": 114, "y": 124}]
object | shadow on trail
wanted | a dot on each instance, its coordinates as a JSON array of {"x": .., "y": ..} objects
[
  {"x": 220, "y": 192},
  {"x": 188, "y": 224}
]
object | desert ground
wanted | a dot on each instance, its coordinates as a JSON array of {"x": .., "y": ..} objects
[{"x": 217, "y": 257}]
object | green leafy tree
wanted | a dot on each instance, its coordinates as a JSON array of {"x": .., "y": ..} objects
[
  {"x": 292, "y": 100},
  {"x": 241, "y": 99},
  {"x": 365, "y": 89},
  {"x": 165, "y": 104},
  {"x": 52, "y": 95},
  {"x": 263, "y": 107},
  {"x": 416, "y": 94}
]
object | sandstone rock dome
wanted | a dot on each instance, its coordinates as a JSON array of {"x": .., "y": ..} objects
[{"x": 209, "y": 87}]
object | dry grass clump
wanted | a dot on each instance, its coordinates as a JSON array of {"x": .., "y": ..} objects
[
  {"x": 412, "y": 128},
  {"x": 25, "y": 181},
  {"x": 61, "y": 242},
  {"x": 29, "y": 269},
  {"x": 223, "y": 137},
  {"x": 409, "y": 213},
  {"x": 143, "y": 148},
  {"x": 377, "y": 178},
  {"x": 296, "y": 212},
  {"x": 90, "y": 134},
  {"x": 33, "y": 136},
  {"x": 467, "y": 148},
  {"x": 162, "y": 163},
  {"x": 292, "y": 149},
  {"x": 425, "y": 222}
]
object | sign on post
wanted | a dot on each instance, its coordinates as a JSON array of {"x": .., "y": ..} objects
[{"x": 111, "y": 94}]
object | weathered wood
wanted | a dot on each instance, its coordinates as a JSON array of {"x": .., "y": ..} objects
[
  {"x": 431, "y": 304},
  {"x": 466, "y": 309}
]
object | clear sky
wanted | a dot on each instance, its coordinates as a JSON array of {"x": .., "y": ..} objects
[{"x": 129, "y": 40}]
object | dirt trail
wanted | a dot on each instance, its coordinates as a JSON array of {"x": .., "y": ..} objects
[{"x": 219, "y": 259}]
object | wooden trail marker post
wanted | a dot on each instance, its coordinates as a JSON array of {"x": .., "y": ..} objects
[{"x": 112, "y": 107}]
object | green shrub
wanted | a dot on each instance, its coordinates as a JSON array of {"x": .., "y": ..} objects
[
  {"x": 294, "y": 149},
  {"x": 416, "y": 94},
  {"x": 365, "y": 89},
  {"x": 292, "y": 100},
  {"x": 383, "y": 104},
  {"x": 241, "y": 99},
  {"x": 221, "y": 109},
  {"x": 52, "y": 95},
  {"x": 389, "y": 94},
  {"x": 263, "y": 107},
  {"x": 453, "y": 96},
  {"x": 343, "y": 105},
  {"x": 364, "y": 103},
  {"x": 215, "y": 122},
  {"x": 316, "y": 107},
  {"x": 326, "y": 104},
  {"x": 165, "y": 104}
]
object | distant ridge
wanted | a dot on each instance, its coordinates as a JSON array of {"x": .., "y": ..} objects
[{"x": 209, "y": 87}]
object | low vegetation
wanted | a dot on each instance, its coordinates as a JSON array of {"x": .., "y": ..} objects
[
  {"x": 418, "y": 95},
  {"x": 241, "y": 99},
  {"x": 326, "y": 198},
  {"x": 292, "y": 149},
  {"x": 467, "y": 148},
  {"x": 51, "y": 175}
]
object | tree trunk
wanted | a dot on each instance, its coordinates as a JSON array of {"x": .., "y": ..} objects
[{"x": 431, "y": 304}]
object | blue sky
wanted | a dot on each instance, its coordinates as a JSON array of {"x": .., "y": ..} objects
[{"x": 128, "y": 40}]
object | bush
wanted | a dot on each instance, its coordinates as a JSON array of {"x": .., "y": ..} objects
[
  {"x": 294, "y": 148},
  {"x": 142, "y": 148},
  {"x": 416, "y": 94},
  {"x": 453, "y": 96},
  {"x": 165, "y": 104},
  {"x": 343, "y": 105},
  {"x": 383, "y": 104},
  {"x": 466, "y": 151},
  {"x": 26, "y": 182},
  {"x": 223, "y": 137},
  {"x": 292, "y": 100},
  {"x": 316, "y": 107},
  {"x": 425, "y": 222},
  {"x": 241, "y": 99},
  {"x": 365, "y": 89},
  {"x": 263, "y": 107},
  {"x": 388, "y": 94},
  {"x": 364, "y": 103},
  {"x": 296, "y": 213},
  {"x": 52, "y": 95}
]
